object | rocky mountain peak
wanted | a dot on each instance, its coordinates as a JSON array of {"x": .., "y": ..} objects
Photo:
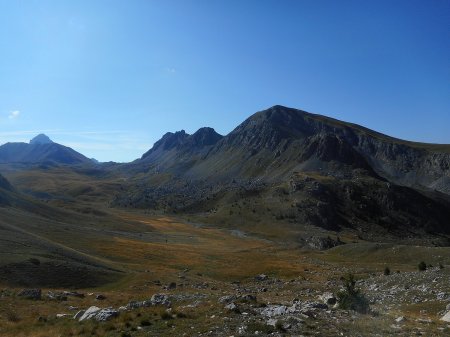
[
  {"x": 41, "y": 139},
  {"x": 205, "y": 136}
]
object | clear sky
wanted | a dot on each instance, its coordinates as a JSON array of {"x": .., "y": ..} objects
[{"x": 109, "y": 78}]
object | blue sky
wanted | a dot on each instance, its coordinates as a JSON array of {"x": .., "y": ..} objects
[{"x": 109, "y": 78}]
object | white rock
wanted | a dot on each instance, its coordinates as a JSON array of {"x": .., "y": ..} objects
[
  {"x": 89, "y": 313},
  {"x": 79, "y": 314},
  {"x": 446, "y": 317},
  {"x": 62, "y": 315}
]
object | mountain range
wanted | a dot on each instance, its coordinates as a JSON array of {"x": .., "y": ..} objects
[{"x": 280, "y": 167}]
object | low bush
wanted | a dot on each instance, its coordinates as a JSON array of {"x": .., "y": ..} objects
[
  {"x": 422, "y": 266},
  {"x": 351, "y": 298}
]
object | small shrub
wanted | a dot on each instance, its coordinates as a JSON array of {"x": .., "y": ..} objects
[
  {"x": 252, "y": 327},
  {"x": 279, "y": 325},
  {"x": 145, "y": 322},
  {"x": 351, "y": 298},
  {"x": 422, "y": 266},
  {"x": 165, "y": 315},
  {"x": 181, "y": 315},
  {"x": 387, "y": 271},
  {"x": 441, "y": 266},
  {"x": 35, "y": 261},
  {"x": 12, "y": 316}
]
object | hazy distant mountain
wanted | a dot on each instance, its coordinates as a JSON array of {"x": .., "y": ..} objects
[
  {"x": 302, "y": 168},
  {"x": 40, "y": 149},
  {"x": 41, "y": 139}
]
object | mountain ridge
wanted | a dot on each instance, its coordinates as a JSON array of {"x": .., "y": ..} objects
[
  {"x": 40, "y": 149},
  {"x": 350, "y": 177}
]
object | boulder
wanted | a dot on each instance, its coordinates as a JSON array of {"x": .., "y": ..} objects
[
  {"x": 328, "y": 298},
  {"x": 232, "y": 307},
  {"x": 31, "y": 294},
  {"x": 73, "y": 293},
  {"x": 261, "y": 277},
  {"x": 79, "y": 314},
  {"x": 160, "y": 299},
  {"x": 274, "y": 310},
  {"x": 135, "y": 305},
  {"x": 446, "y": 317},
  {"x": 62, "y": 315},
  {"x": 89, "y": 313},
  {"x": 227, "y": 299},
  {"x": 106, "y": 314},
  {"x": 248, "y": 298},
  {"x": 56, "y": 296}
]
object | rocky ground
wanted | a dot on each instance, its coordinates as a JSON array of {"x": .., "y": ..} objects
[{"x": 413, "y": 303}]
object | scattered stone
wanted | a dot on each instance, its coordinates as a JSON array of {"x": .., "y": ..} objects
[
  {"x": 446, "y": 317},
  {"x": 328, "y": 298},
  {"x": 232, "y": 307},
  {"x": 56, "y": 296},
  {"x": 31, "y": 294},
  {"x": 274, "y": 310},
  {"x": 400, "y": 319},
  {"x": 79, "y": 314},
  {"x": 73, "y": 294},
  {"x": 89, "y": 313},
  {"x": 106, "y": 314},
  {"x": 261, "y": 277},
  {"x": 134, "y": 305},
  {"x": 248, "y": 298},
  {"x": 160, "y": 299},
  {"x": 227, "y": 299},
  {"x": 62, "y": 315}
]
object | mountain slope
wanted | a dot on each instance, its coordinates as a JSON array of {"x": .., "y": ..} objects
[
  {"x": 355, "y": 178},
  {"x": 40, "y": 149},
  {"x": 36, "y": 232},
  {"x": 179, "y": 151}
]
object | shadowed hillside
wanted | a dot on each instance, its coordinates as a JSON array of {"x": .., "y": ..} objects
[{"x": 353, "y": 177}]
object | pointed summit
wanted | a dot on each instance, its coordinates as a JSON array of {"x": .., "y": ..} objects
[
  {"x": 41, "y": 139},
  {"x": 205, "y": 136}
]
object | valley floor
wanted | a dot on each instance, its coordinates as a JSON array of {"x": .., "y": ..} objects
[{"x": 218, "y": 282}]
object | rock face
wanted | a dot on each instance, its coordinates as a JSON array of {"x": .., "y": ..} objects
[{"x": 300, "y": 140}]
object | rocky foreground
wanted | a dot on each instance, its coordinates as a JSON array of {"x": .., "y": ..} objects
[{"x": 415, "y": 303}]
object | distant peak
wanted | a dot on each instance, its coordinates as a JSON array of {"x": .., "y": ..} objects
[
  {"x": 205, "y": 136},
  {"x": 41, "y": 139}
]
